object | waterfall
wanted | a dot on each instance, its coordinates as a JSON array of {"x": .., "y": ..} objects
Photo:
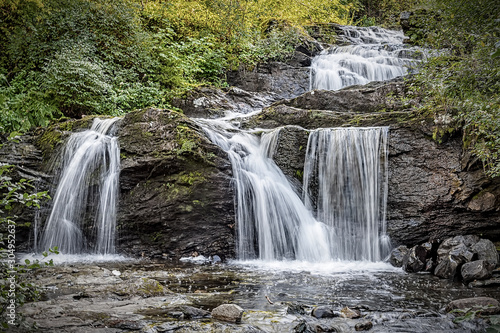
[
  {"x": 373, "y": 54},
  {"x": 346, "y": 170},
  {"x": 83, "y": 216},
  {"x": 272, "y": 221}
]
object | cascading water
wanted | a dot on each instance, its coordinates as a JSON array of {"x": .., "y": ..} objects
[
  {"x": 273, "y": 223},
  {"x": 374, "y": 54},
  {"x": 83, "y": 216},
  {"x": 346, "y": 170}
]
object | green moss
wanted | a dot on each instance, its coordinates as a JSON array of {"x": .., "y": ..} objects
[
  {"x": 190, "y": 178},
  {"x": 299, "y": 174},
  {"x": 49, "y": 140}
]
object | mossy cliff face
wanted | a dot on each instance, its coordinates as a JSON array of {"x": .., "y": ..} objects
[
  {"x": 436, "y": 189},
  {"x": 176, "y": 195}
]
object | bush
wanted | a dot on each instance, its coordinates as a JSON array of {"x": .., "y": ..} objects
[
  {"x": 14, "y": 289},
  {"x": 465, "y": 79}
]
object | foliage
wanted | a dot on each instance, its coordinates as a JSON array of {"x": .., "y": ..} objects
[
  {"x": 383, "y": 12},
  {"x": 464, "y": 80},
  {"x": 76, "y": 57},
  {"x": 14, "y": 289}
]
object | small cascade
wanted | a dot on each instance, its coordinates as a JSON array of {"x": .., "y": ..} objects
[
  {"x": 346, "y": 170},
  {"x": 83, "y": 216},
  {"x": 373, "y": 54},
  {"x": 273, "y": 223}
]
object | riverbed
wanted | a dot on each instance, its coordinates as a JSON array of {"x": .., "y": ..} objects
[{"x": 167, "y": 296}]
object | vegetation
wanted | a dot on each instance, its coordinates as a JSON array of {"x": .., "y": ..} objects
[
  {"x": 14, "y": 290},
  {"x": 464, "y": 81},
  {"x": 75, "y": 57}
]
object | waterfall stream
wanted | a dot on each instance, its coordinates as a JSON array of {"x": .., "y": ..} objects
[
  {"x": 341, "y": 213},
  {"x": 346, "y": 170},
  {"x": 83, "y": 216},
  {"x": 373, "y": 54}
]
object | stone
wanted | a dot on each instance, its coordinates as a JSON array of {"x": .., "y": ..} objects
[
  {"x": 363, "y": 326},
  {"x": 484, "y": 202},
  {"x": 324, "y": 311},
  {"x": 350, "y": 313},
  {"x": 176, "y": 194},
  {"x": 461, "y": 254},
  {"x": 228, "y": 312},
  {"x": 493, "y": 282},
  {"x": 276, "y": 78},
  {"x": 397, "y": 255},
  {"x": 206, "y": 102},
  {"x": 415, "y": 261},
  {"x": 485, "y": 305},
  {"x": 486, "y": 250},
  {"x": 303, "y": 327},
  {"x": 455, "y": 249},
  {"x": 477, "y": 270},
  {"x": 295, "y": 308},
  {"x": 446, "y": 269}
]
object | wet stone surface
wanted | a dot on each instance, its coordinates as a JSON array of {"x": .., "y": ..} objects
[{"x": 165, "y": 297}]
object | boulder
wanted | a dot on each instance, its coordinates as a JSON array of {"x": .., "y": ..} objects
[
  {"x": 176, "y": 196},
  {"x": 363, "y": 326},
  {"x": 485, "y": 305},
  {"x": 228, "y": 312},
  {"x": 206, "y": 102},
  {"x": 324, "y": 311},
  {"x": 446, "y": 269},
  {"x": 277, "y": 78},
  {"x": 477, "y": 270},
  {"x": 486, "y": 250},
  {"x": 398, "y": 255},
  {"x": 350, "y": 313},
  {"x": 413, "y": 262},
  {"x": 456, "y": 248}
]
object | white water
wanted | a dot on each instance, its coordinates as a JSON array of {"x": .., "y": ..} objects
[
  {"x": 273, "y": 223},
  {"x": 83, "y": 216},
  {"x": 346, "y": 170},
  {"x": 374, "y": 54}
]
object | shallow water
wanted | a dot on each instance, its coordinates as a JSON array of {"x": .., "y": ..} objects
[{"x": 278, "y": 296}]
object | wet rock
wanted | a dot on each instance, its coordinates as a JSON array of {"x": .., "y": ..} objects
[
  {"x": 451, "y": 254},
  {"x": 206, "y": 102},
  {"x": 493, "y": 282},
  {"x": 281, "y": 79},
  {"x": 398, "y": 255},
  {"x": 350, "y": 313},
  {"x": 371, "y": 97},
  {"x": 290, "y": 146},
  {"x": 176, "y": 195},
  {"x": 295, "y": 308},
  {"x": 323, "y": 311},
  {"x": 485, "y": 305},
  {"x": 304, "y": 327},
  {"x": 477, "y": 270},
  {"x": 455, "y": 248},
  {"x": 486, "y": 250},
  {"x": 228, "y": 312},
  {"x": 363, "y": 326},
  {"x": 144, "y": 287},
  {"x": 461, "y": 254},
  {"x": 446, "y": 269},
  {"x": 415, "y": 260}
]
